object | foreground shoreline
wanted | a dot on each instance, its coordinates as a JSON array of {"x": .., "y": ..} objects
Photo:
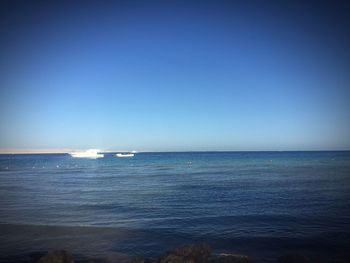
[
  {"x": 94, "y": 244},
  {"x": 193, "y": 253}
]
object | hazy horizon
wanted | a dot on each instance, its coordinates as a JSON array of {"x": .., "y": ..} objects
[
  {"x": 65, "y": 150},
  {"x": 175, "y": 76}
]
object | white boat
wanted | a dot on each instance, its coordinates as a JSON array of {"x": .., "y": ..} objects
[
  {"x": 91, "y": 153},
  {"x": 125, "y": 155}
]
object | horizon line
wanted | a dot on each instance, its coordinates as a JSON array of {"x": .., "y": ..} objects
[{"x": 70, "y": 150}]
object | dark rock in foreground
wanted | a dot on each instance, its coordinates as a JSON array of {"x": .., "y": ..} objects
[
  {"x": 294, "y": 258},
  {"x": 59, "y": 256},
  {"x": 230, "y": 258},
  {"x": 194, "y": 253},
  {"x": 187, "y": 254},
  {"x": 141, "y": 260}
]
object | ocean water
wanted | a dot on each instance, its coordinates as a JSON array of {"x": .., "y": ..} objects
[{"x": 263, "y": 204}]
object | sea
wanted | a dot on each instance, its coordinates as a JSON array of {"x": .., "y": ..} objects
[{"x": 261, "y": 204}]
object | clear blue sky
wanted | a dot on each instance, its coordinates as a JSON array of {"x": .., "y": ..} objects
[{"x": 176, "y": 75}]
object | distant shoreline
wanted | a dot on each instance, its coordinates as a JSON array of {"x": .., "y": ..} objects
[
  {"x": 67, "y": 151},
  {"x": 50, "y": 151}
]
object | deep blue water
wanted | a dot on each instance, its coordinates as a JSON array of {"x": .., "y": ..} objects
[{"x": 259, "y": 203}]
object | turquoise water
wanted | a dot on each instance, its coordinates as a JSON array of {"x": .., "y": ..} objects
[{"x": 259, "y": 203}]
